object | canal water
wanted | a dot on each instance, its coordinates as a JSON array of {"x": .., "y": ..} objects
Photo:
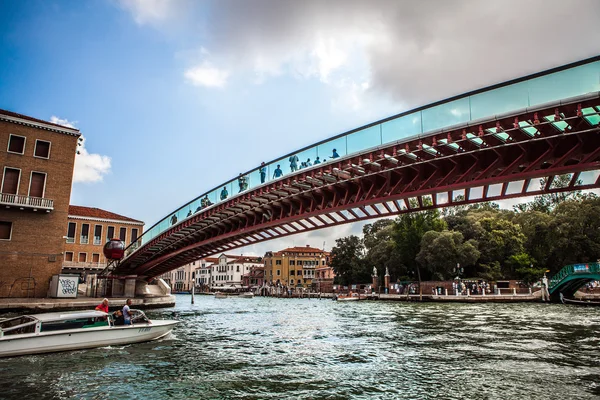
[{"x": 269, "y": 348}]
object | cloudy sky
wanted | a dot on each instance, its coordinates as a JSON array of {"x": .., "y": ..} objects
[{"x": 175, "y": 97}]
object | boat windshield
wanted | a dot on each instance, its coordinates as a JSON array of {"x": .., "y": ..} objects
[
  {"x": 18, "y": 325},
  {"x": 74, "y": 323}
]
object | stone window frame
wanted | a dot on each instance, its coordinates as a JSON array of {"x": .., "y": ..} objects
[
  {"x": 49, "y": 149},
  {"x": 45, "y": 181},
  {"x": 4, "y": 175},
  {"x": 24, "y": 144}
]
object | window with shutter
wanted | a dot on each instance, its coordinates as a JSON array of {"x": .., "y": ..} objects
[
  {"x": 10, "y": 181},
  {"x": 5, "y": 230},
  {"x": 71, "y": 232},
  {"x": 37, "y": 184}
]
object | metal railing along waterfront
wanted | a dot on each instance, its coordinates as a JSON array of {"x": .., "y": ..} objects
[
  {"x": 26, "y": 201},
  {"x": 549, "y": 86},
  {"x": 573, "y": 269}
]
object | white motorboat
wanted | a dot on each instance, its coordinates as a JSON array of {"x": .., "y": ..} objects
[
  {"x": 247, "y": 295},
  {"x": 348, "y": 297},
  {"x": 51, "y": 332}
]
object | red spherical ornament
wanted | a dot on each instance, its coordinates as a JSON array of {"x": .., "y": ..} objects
[{"x": 114, "y": 249}]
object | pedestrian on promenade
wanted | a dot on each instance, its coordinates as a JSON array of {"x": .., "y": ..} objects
[{"x": 278, "y": 172}]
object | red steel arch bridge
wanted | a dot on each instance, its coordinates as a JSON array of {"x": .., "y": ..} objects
[{"x": 491, "y": 144}]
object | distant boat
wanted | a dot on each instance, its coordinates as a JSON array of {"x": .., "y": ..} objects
[
  {"x": 247, "y": 295},
  {"x": 52, "y": 332},
  {"x": 220, "y": 295},
  {"x": 348, "y": 297},
  {"x": 589, "y": 303}
]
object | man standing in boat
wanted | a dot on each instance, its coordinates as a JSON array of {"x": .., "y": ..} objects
[{"x": 127, "y": 313}]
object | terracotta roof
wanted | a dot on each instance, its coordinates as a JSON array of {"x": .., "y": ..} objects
[
  {"x": 244, "y": 259},
  {"x": 306, "y": 249},
  {"x": 90, "y": 212},
  {"x": 21, "y": 116}
]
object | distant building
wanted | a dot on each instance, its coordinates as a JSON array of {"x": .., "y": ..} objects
[
  {"x": 204, "y": 272},
  {"x": 88, "y": 230},
  {"x": 294, "y": 266},
  {"x": 181, "y": 279},
  {"x": 254, "y": 278},
  {"x": 36, "y": 163},
  {"x": 249, "y": 268},
  {"x": 222, "y": 273}
]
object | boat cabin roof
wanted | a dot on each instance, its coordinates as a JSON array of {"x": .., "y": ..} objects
[{"x": 57, "y": 316}]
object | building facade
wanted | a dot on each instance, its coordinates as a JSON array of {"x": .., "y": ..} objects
[
  {"x": 88, "y": 230},
  {"x": 294, "y": 266},
  {"x": 204, "y": 272},
  {"x": 182, "y": 278},
  {"x": 255, "y": 278},
  {"x": 36, "y": 160}
]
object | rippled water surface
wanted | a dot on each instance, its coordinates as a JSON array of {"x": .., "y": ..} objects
[{"x": 265, "y": 348}]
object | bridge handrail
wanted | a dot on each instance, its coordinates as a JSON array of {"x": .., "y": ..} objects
[
  {"x": 570, "y": 80},
  {"x": 573, "y": 269}
]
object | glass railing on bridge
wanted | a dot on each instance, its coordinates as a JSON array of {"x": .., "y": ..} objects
[{"x": 573, "y": 81}]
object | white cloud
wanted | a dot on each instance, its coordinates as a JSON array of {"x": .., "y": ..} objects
[
  {"x": 207, "y": 75},
  {"x": 89, "y": 168},
  {"x": 150, "y": 11},
  {"x": 63, "y": 122},
  {"x": 411, "y": 52}
]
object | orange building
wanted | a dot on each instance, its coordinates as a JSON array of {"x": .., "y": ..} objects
[
  {"x": 88, "y": 229},
  {"x": 36, "y": 163},
  {"x": 294, "y": 266}
]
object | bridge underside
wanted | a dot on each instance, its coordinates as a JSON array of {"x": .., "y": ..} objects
[
  {"x": 496, "y": 159},
  {"x": 571, "y": 285}
]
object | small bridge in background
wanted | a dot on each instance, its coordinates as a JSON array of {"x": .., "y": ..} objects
[
  {"x": 491, "y": 144},
  {"x": 572, "y": 277}
]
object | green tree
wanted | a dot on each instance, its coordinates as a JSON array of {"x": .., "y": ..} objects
[
  {"x": 381, "y": 248},
  {"x": 407, "y": 235},
  {"x": 500, "y": 240},
  {"x": 441, "y": 251},
  {"x": 347, "y": 261},
  {"x": 576, "y": 229}
]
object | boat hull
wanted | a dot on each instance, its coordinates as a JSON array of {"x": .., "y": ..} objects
[{"x": 77, "y": 339}]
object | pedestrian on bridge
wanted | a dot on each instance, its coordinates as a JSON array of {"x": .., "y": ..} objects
[
  {"x": 294, "y": 162},
  {"x": 263, "y": 172}
]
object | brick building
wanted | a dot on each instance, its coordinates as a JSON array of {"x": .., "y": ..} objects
[
  {"x": 37, "y": 160},
  {"x": 294, "y": 266},
  {"x": 88, "y": 229}
]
